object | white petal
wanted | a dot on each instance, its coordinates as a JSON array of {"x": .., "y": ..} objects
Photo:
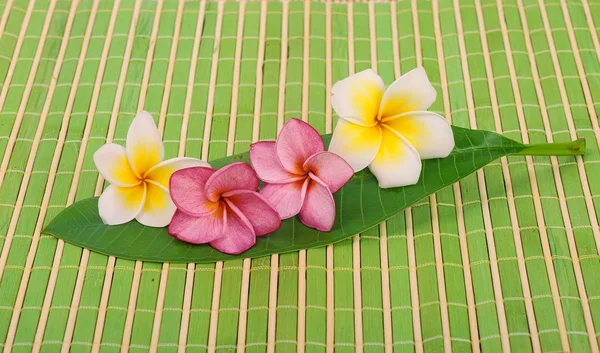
[
  {"x": 118, "y": 205},
  {"x": 428, "y": 132},
  {"x": 144, "y": 144},
  {"x": 356, "y": 144},
  {"x": 161, "y": 173},
  {"x": 158, "y": 207},
  {"x": 112, "y": 163},
  {"x": 357, "y": 97},
  {"x": 397, "y": 163},
  {"x": 411, "y": 91}
]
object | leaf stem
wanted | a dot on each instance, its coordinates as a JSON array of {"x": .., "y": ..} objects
[{"x": 572, "y": 148}]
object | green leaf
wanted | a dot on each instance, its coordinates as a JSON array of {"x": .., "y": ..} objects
[{"x": 360, "y": 204}]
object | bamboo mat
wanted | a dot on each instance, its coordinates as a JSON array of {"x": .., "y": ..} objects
[{"x": 505, "y": 260}]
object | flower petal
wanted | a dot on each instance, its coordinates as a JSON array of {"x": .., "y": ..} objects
[
  {"x": 198, "y": 230},
  {"x": 265, "y": 161},
  {"x": 188, "y": 191},
  {"x": 158, "y": 207},
  {"x": 263, "y": 217},
  {"x": 235, "y": 176},
  {"x": 238, "y": 235},
  {"x": 397, "y": 163},
  {"x": 411, "y": 91},
  {"x": 330, "y": 168},
  {"x": 112, "y": 163},
  {"x": 144, "y": 144},
  {"x": 161, "y": 173},
  {"x": 356, "y": 144},
  {"x": 118, "y": 205},
  {"x": 296, "y": 142},
  {"x": 428, "y": 132},
  {"x": 318, "y": 211},
  {"x": 286, "y": 198},
  {"x": 357, "y": 97}
]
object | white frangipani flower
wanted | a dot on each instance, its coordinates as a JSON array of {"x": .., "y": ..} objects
[
  {"x": 389, "y": 130},
  {"x": 138, "y": 176}
]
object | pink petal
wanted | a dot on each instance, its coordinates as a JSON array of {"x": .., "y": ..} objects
[
  {"x": 286, "y": 198},
  {"x": 265, "y": 161},
  {"x": 263, "y": 217},
  {"x": 198, "y": 230},
  {"x": 296, "y": 142},
  {"x": 235, "y": 176},
  {"x": 332, "y": 169},
  {"x": 187, "y": 191},
  {"x": 238, "y": 235},
  {"x": 318, "y": 210}
]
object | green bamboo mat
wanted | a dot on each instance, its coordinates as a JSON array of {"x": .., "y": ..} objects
[{"x": 505, "y": 260}]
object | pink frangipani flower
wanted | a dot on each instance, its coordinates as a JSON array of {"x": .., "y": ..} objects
[
  {"x": 220, "y": 207},
  {"x": 299, "y": 175}
]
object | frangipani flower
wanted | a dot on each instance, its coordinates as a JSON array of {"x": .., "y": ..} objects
[
  {"x": 138, "y": 176},
  {"x": 221, "y": 208},
  {"x": 389, "y": 130},
  {"x": 299, "y": 175}
]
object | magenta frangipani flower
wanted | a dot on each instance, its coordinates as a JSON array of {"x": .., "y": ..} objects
[
  {"x": 220, "y": 207},
  {"x": 299, "y": 175}
]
